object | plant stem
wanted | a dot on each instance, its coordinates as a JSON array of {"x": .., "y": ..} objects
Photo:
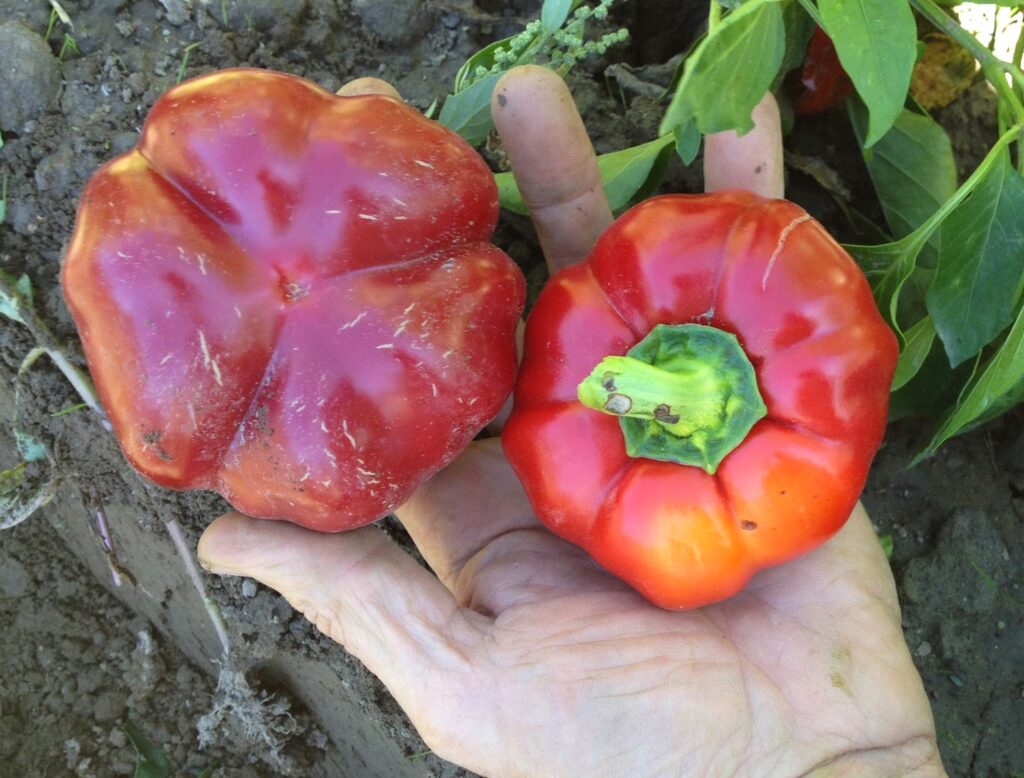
[
  {"x": 212, "y": 611},
  {"x": 714, "y": 16},
  {"x": 950, "y": 27},
  {"x": 1018, "y": 59},
  {"x": 48, "y": 343},
  {"x": 924, "y": 232},
  {"x": 81, "y": 384}
]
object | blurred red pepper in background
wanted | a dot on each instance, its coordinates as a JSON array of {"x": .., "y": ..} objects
[{"x": 821, "y": 83}]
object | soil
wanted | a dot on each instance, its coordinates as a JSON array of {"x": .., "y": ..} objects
[{"x": 92, "y": 638}]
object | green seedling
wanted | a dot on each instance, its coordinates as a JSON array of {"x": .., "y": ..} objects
[
  {"x": 184, "y": 61},
  {"x": 556, "y": 39}
]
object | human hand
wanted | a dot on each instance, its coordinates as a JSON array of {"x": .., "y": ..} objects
[{"x": 522, "y": 657}]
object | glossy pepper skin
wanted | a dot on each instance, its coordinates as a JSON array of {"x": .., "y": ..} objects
[
  {"x": 823, "y": 359},
  {"x": 821, "y": 83},
  {"x": 291, "y": 297}
]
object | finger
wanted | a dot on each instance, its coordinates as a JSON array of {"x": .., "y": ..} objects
[
  {"x": 357, "y": 587},
  {"x": 753, "y": 161},
  {"x": 368, "y": 86},
  {"x": 466, "y": 506},
  {"x": 553, "y": 162}
]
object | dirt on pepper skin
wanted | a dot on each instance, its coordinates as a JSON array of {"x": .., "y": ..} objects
[{"x": 77, "y": 663}]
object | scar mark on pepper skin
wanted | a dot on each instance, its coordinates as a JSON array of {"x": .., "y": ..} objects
[
  {"x": 502, "y": 100},
  {"x": 781, "y": 245},
  {"x": 749, "y": 526},
  {"x": 152, "y": 440},
  {"x": 208, "y": 361}
]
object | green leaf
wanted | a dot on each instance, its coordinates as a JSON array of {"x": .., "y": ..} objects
[
  {"x": 981, "y": 265},
  {"x": 484, "y": 58},
  {"x": 995, "y": 387},
  {"x": 469, "y": 112},
  {"x": 70, "y": 409},
  {"x": 876, "y": 41},
  {"x": 23, "y": 492},
  {"x": 15, "y": 296},
  {"x": 688, "y": 139},
  {"x": 911, "y": 166},
  {"x": 509, "y": 196},
  {"x": 799, "y": 28},
  {"x": 888, "y": 267},
  {"x": 917, "y": 346},
  {"x": 627, "y": 175},
  {"x": 554, "y": 13},
  {"x": 885, "y": 541},
  {"x": 151, "y": 762},
  {"x": 729, "y": 72}
]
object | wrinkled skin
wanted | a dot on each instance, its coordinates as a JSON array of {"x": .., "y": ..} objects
[
  {"x": 521, "y": 657},
  {"x": 291, "y": 297}
]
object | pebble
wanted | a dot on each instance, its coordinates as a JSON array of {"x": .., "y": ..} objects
[
  {"x": 110, "y": 706},
  {"x": 394, "y": 22},
  {"x": 924, "y": 649},
  {"x": 248, "y": 588},
  {"x": 29, "y": 76}
]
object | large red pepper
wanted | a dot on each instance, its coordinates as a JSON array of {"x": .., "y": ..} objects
[
  {"x": 739, "y": 433},
  {"x": 292, "y": 298}
]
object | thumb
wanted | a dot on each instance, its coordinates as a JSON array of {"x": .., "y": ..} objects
[{"x": 357, "y": 587}]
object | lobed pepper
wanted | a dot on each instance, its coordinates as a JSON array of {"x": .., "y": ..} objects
[
  {"x": 291, "y": 297},
  {"x": 702, "y": 396}
]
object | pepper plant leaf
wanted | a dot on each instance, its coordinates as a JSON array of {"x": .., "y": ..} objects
[
  {"x": 730, "y": 70},
  {"x": 469, "y": 112},
  {"x": 981, "y": 264},
  {"x": 911, "y": 166},
  {"x": 917, "y": 345},
  {"x": 995, "y": 387},
  {"x": 876, "y": 41},
  {"x": 627, "y": 175}
]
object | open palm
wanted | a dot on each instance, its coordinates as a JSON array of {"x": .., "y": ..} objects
[{"x": 519, "y": 656}]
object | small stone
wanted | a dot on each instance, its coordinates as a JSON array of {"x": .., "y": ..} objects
[
  {"x": 177, "y": 11},
  {"x": 924, "y": 649},
  {"x": 110, "y": 706},
  {"x": 248, "y": 588},
  {"x": 29, "y": 76},
  {"x": 117, "y": 738},
  {"x": 394, "y": 22}
]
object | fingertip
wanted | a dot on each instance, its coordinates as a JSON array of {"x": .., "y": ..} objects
[
  {"x": 753, "y": 161},
  {"x": 525, "y": 81},
  {"x": 235, "y": 543},
  {"x": 553, "y": 161},
  {"x": 368, "y": 86}
]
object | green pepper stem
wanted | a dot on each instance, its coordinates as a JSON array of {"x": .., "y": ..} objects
[
  {"x": 685, "y": 393},
  {"x": 682, "y": 402}
]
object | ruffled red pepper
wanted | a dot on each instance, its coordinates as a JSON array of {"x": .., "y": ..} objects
[
  {"x": 702, "y": 396},
  {"x": 291, "y": 297}
]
